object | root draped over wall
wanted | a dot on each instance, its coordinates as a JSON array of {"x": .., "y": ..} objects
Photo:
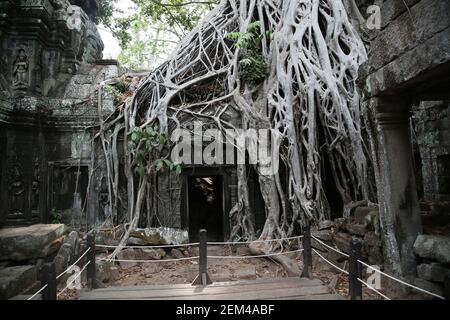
[{"x": 309, "y": 97}]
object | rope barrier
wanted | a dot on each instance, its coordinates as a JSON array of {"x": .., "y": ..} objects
[
  {"x": 255, "y": 241},
  {"x": 401, "y": 281},
  {"x": 150, "y": 261},
  {"x": 73, "y": 280},
  {"x": 150, "y": 247},
  {"x": 330, "y": 247},
  {"x": 329, "y": 262},
  {"x": 258, "y": 256},
  {"x": 373, "y": 289},
  {"x": 39, "y": 291},
  {"x": 73, "y": 264}
]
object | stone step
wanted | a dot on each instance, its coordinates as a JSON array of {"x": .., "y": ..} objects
[
  {"x": 30, "y": 243},
  {"x": 15, "y": 280}
]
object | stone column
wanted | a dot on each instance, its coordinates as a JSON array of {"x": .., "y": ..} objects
[{"x": 397, "y": 194}]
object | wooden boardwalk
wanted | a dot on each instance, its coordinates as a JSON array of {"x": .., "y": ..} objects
[{"x": 262, "y": 289}]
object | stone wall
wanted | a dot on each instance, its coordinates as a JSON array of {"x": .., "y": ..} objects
[
  {"x": 49, "y": 74},
  {"x": 432, "y": 133},
  {"x": 408, "y": 62}
]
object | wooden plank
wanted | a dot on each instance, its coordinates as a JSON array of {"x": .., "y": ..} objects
[
  {"x": 278, "y": 281},
  {"x": 247, "y": 295},
  {"x": 328, "y": 296},
  {"x": 232, "y": 287},
  {"x": 227, "y": 293}
]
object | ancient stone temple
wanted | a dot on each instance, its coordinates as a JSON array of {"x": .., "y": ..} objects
[
  {"x": 59, "y": 166},
  {"x": 51, "y": 64},
  {"x": 408, "y": 65}
]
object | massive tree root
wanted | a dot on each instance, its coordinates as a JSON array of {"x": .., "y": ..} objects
[{"x": 309, "y": 96}]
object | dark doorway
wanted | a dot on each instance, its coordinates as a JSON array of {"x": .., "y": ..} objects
[{"x": 205, "y": 207}]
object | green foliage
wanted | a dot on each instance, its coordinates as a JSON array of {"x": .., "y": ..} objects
[
  {"x": 122, "y": 86},
  {"x": 252, "y": 66},
  {"x": 115, "y": 93},
  {"x": 144, "y": 145},
  {"x": 55, "y": 216},
  {"x": 151, "y": 32}
]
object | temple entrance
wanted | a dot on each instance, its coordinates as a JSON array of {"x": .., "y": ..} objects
[{"x": 205, "y": 206}]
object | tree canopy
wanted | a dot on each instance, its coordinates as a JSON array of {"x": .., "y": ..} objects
[{"x": 148, "y": 34}]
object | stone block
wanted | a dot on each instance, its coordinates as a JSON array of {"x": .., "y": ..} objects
[
  {"x": 433, "y": 272},
  {"x": 324, "y": 235},
  {"x": 433, "y": 247},
  {"x": 176, "y": 254},
  {"x": 15, "y": 280},
  {"x": 30, "y": 243},
  {"x": 342, "y": 241},
  {"x": 361, "y": 213},
  {"x": 327, "y": 224},
  {"x": 356, "y": 229},
  {"x": 426, "y": 18},
  {"x": 432, "y": 287},
  {"x": 152, "y": 254}
]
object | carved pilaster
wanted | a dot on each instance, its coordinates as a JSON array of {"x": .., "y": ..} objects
[{"x": 397, "y": 193}]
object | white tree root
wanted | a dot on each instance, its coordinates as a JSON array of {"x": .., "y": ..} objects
[{"x": 309, "y": 96}]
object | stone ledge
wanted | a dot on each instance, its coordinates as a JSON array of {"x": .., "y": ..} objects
[{"x": 410, "y": 68}]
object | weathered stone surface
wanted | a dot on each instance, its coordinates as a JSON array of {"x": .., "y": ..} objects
[
  {"x": 340, "y": 224},
  {"x": 176, "y": 254},
  {"x": 433, "y": 247},
  {"x": 361, "y": 214},
  {"x": 423, "y": 58},
  {"x": 156, "y": 236},
  {"x": 356, "y": 229},
  {"x": 139, "y": 254},
  {"x": 113, "y": 272},
  {"x": 14, "y": 280},
  {"x": 432, "y": 287},
  {"x": 128, "y": 254},
  {"x": 371, "y": 239},
  {"x": 63, "y": 258},
  {"x": 153, "y": 254},
  {"x": 103, "y": 271},
  {"x": 110, "y": 237},
  {"x": 324, "y": 235},
  {"x": 428, "y": 17},
  {"x": 433, "y": 272},
  {"x": 372, "y": 249},
  {"x": 327, "y": 224},
  {"x": 30, "y": 243},
  {"x": 342, "y": 241},
  {"x": 73, "y": 239}
]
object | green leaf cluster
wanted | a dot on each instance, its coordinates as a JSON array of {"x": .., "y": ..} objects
[
  {"x": 145, "y": 144},
  {"x": 252, "y": 65}
]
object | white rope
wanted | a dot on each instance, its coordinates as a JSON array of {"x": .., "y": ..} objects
[
  {"x": 401, "y": 281},
  {"x": 330, "y": 247},
  {"x": 255, "y": 241},
  {"x": 259, "y": 256},
  {"x": 150, "y": 247},
  {"x": 78, "y": 274},
  {"x": 373, "y": 289},
  {"x": 73, "y": 264},
  {"x": 329, "y": 262},
  {"x": 40, "y": 290},
  {"x": 151, "y": 261}
]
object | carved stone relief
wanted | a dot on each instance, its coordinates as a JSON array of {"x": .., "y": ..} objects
[
  {"x": 16, "y": 186},
  {"x": 21, "y": 75}
]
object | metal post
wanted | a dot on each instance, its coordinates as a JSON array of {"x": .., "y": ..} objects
[
  {"x": 307, "y": 253},
  {"x": 203, "y": 276},
  {"x": 447, "y": 287},
  {"x": 355, "y": 270},
  {"x": 48, "y": 277},
  {"x": 91, "y": 268}
]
